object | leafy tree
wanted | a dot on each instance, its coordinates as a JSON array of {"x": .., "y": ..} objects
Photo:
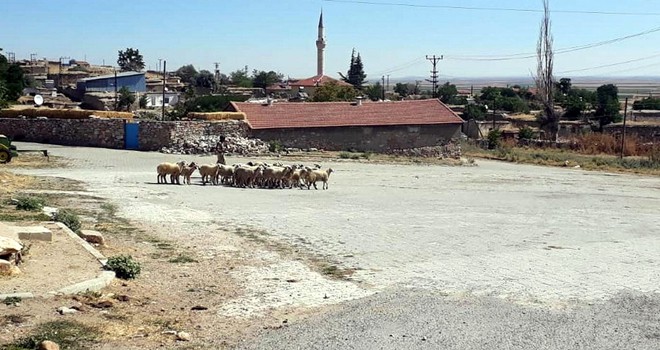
[
  {"x": 374, "y": 91},
  {"x": 564, "y": 86},
  {"x": 13, "y": 79},
  {"x": 503, "y": 98},
  {"x": 4, "y": 101},
  {"x": 574, "y": 107},
  {"x": 130, "y": 60},
  {"x": 263, "y": 79},
  {"x": 355, "y": 75},
  {"x": 473, "y": 111},
  {"x": 607, "y": 105},
  {"x": 142, "y": 102},
  {"x": 331, "y": 91},
  {"x": 402, "y": 89},
  {"x": 647, "y": 103},
  {"x": 526, "y": 133},
  {"x": 241, "y": 78},
  {"x": 125, "y": 99},
  {"x": 204, "y": 79},
  {"x": 544, "y": 75},
  {"x": 187, "y": 73},
  {"x": 447, "y": 92}
]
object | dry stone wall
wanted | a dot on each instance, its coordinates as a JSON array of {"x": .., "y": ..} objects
[{"x": 108, "y": 133}]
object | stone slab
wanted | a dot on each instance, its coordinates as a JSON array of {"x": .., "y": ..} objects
[
  {"x": 34, "y": 233},
  {"x": 93, "y": 285}
]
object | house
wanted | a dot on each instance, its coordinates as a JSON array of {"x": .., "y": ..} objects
[
  {"x": 309, "y": 85},
  {"x": 368, "y": 126},
  {"x": 155, "y": 99},
  {"x": 134, "y": 81}
]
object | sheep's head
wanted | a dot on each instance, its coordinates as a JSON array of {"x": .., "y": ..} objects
[
  {"x": 329, "y": 171},
  {"x": 181, "y": 164}
]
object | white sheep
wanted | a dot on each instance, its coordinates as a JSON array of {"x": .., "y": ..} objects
[
  {"x": 187, "y": 171},
  {"x": 225, "y": 174},
  {"x": 209, "y": 173},
  {"x": 172, "y": 169},
  {"x": 311, "y": 176}
]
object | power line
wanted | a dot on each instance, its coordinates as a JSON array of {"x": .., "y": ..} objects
[
  {"x": 609, "y": 65},
  {"x": 434, "y": 73},
  {"x": 631, "y": 69},
  {"x": 528, "y": 55},
  {"x": 501, "y": 9},
  {"x": 402, "y": 66}
]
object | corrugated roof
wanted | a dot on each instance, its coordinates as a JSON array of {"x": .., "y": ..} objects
[
  {"x": 331, "y": 114},
  {"x": 119, "y": 75},
  {"x": 317, "y": 80}
]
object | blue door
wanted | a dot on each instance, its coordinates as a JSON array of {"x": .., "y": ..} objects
[{"x": 131, "y": 132}]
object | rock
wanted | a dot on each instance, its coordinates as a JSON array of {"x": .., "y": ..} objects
[
  {"x": 103, "y": 304},
  {"x": 183, "y": 336},
  {"x": 93, "y": 237},
  {"x": 50, "y": 211},
  {"x": 123, "y": 298},
  {"x": 199, "y": 308},
  {"x": 9, "y": 246},
  {"x": 48, "y": 345},
  {"x": 8, "y": 269},
  {"x": 169, "y": 332},
  {"x": 63, "y": 310},
  {"x": 34, "y": 233}
]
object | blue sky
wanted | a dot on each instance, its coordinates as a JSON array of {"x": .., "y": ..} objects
[{"x": 280, "y": 35}]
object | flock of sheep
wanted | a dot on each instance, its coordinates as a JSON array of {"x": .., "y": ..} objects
[{"x": 249, "y": 175}]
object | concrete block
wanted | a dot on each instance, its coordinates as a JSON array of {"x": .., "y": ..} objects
[
  {"x": 93, "y": 285},
  {"x": 34, "y": 233}
]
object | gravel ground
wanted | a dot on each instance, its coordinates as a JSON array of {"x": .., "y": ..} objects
[
  {"x": 428, "y": 320},
  {"x": 508, "y": 236}
]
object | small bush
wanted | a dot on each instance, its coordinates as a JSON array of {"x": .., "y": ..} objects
[
  {"x": 68, "y": 218},
  {"x": 275, "y": 146},
  {"x": 30, "y": 203},
  {"x": 494, "y": 139},
  {"x": 124, "y": 266},
  {"x": 344, "y": 155},
  {"x": 182, "y": 259},
  {"x": 526, "y": 133},
  {"x": 11, "y": 300},
  {"x": 367, "y": 155}
]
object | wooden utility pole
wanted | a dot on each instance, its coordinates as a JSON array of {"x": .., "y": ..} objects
[
  {"x": 162, "y": 117},
  {"x": 623, "y": 132}
]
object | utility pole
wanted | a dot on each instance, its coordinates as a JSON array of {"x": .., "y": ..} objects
[
  {"x": 11, "y": 57},
  {"x": 217, "y": 76},
  {"x": 434, "y": 73},
  {"x": 623, "y": 132},
  {"x": 160, "y": 60},
  {"x": 383, "y": 88},
  {"x": 116, "y": 89},
  {"x": 162, "y": 117},
  {"x": 59, "y": 77},
  {"x": 388, "y": 82}
]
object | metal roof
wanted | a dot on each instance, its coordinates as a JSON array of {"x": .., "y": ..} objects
[{"x": 112, "y": 76}]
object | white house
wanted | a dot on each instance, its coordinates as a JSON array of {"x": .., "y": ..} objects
[{"x": 155, "y": 99}]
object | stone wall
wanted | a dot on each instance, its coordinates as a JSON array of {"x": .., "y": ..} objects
[
  {"x": 155, "y": 135},
  {"x": 108, "y": 133},
  {"x": 377, "y": 138},
  {"x": 646, "y": 133}
]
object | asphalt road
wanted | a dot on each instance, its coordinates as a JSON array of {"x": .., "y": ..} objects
[{"x": 498, "y": 236}]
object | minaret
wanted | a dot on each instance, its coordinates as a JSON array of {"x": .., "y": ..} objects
[{"x": 320, "y": 46}]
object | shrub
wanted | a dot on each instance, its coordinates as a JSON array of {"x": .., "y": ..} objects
[
  {"x": 124, "y": 266},
  {"x": 68, "y": 334},
  {"x": 494, "y": 139},
  {"x": 30, "y": 203},
  {"x": 275, "y": 146},
  {"x": 526, "y": 133},
  {"x": 68, "y": 218},
  {"x": 344, "y": 155}
]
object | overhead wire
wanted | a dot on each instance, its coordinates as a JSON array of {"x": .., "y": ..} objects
[
  {"x": 610, "y": 64},
  {"x": 501, "y": 9}
]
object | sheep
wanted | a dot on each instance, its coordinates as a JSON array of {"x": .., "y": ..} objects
[
  {"x": 273, "y": 176},
  {"x": 172, "y": 169},
  {"x": 244, "y": 176},
  {"x": 225, "y": 174},
  {"x": 209, "y": 173},
  {"x": 187, "y": 171},
  {"x": 311, "y": 176},
  {"x": 293, "y": 176}
]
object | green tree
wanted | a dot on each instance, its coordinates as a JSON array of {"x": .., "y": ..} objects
[
  {"x": 647, "y": 103},
  {"x": 143, "y": 101},
  {"x": 187, "y": 73},
  {"x": 130, "y": 60},
  {"x": 473, "y": 111},
  {"x": 204, "y": 79},
  {"x": 4, "y": 101},
  {"x": 263, "y": 79},
  {"x": 241, "y": 78},
  {"x": 125, "y": 99},
  {"x": 564, "y": 86},
  {"x": 374, "y": 91},
  {"x": 331, "y": 91},
  {"x": 355, "y": 75},
  {"x": 402, "y": 89},
  {"x": 447, "y": 92},
  {"x": 607, "y": 105}
]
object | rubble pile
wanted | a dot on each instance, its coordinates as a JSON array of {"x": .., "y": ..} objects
[
  {"x": 207, "y": 144},
  {"x": 449, "y": 150}
]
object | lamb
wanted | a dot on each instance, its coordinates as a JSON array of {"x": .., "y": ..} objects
[
  {"x": 172, "y": 169},
  {"x": 293, "y": 176},
  {"x": 225, "y": 174},
  {"x": 187, "y": 171},
  {"x": 209, "y": 173},
  {"x": 273, "y": 176},
  {"x": 311, "y": 176},
  {"x": 244, "y": 176}
]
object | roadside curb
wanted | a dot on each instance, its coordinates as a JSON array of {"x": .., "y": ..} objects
[{"x": 95, "y": 284}]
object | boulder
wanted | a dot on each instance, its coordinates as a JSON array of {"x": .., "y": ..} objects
[
  {"x": 48, "y": 345},
  {"x": 9, "y": 246},
  {"x": 8, "y": 269},
  {"x": 92, "y": 236},
  {"x": 183, "y": 336}
]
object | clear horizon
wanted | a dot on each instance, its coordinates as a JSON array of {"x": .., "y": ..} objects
[{"x": 392, "y": 40}]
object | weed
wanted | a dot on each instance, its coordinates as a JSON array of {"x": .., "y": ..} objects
[
  {"x": 30, "y": 203},
  {"x": 182, "y": 259},
  {"x": 110, "y": 209},
  {"x": 344, "y": 155},
  {"x": 124, "y": 266},
  {"x": 11, "y": 300},
  {"x": 88, "y": 294},
  {"x": 275, "y": 146},
  {"x": 68, "y": 218},
  {"x": 68, "y": 334}
]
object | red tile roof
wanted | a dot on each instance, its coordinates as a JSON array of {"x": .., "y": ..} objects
[
  {"x": 317, "y": 80},
  {"x": 331, "y": 114}
]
